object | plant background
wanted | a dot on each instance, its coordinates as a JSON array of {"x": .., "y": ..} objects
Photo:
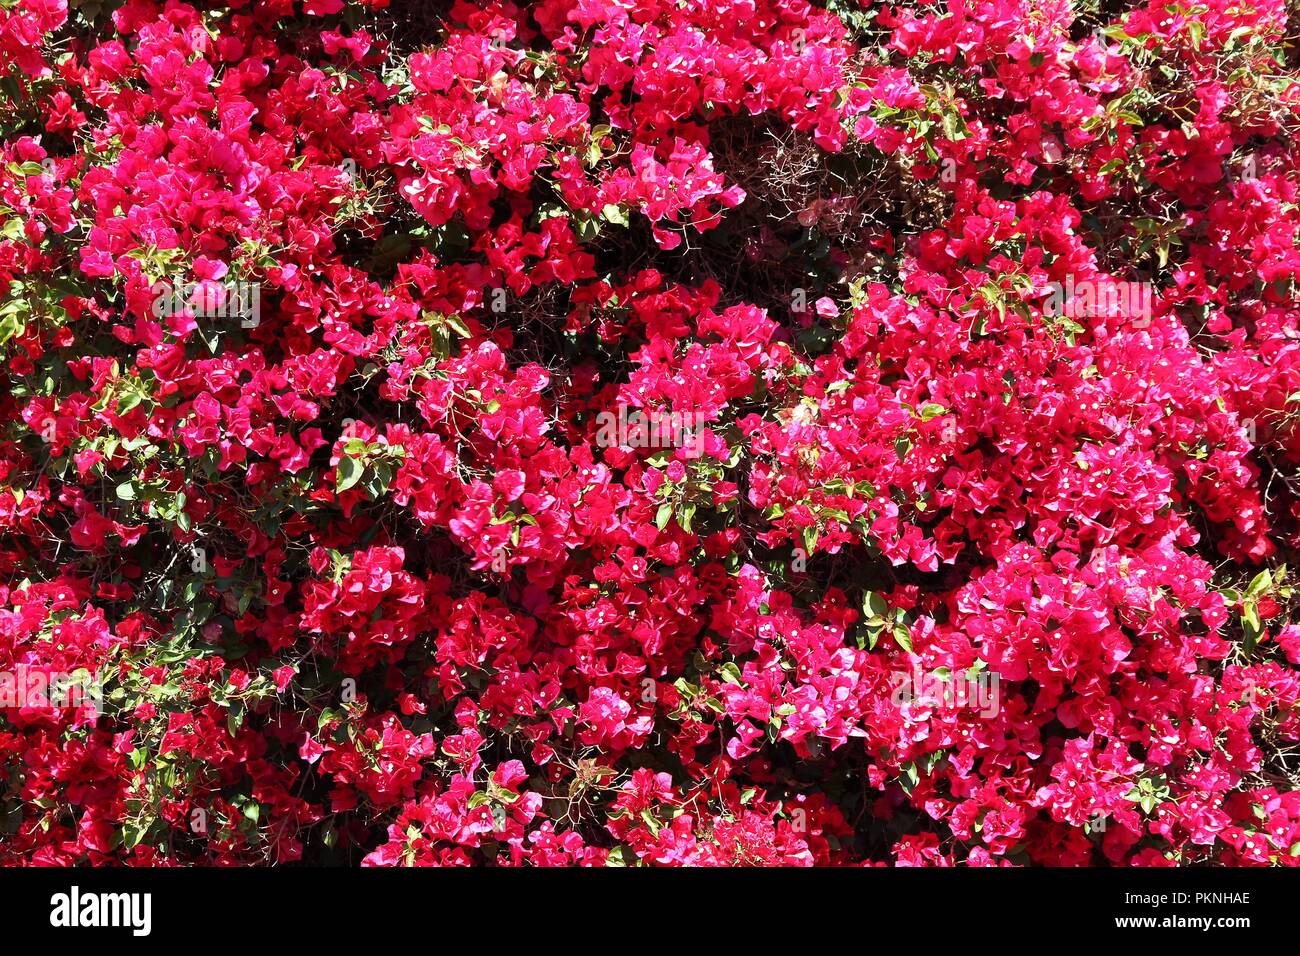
[{"x": 358, "y": 583}]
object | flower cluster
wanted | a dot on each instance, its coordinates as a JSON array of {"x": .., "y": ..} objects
[{"x": 363, "y": 580}]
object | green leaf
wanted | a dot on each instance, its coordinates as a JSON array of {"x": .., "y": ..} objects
[
  {"x": 128, "y": 402},
  {"x": 211, "y": 338},
  {"x": 686, "y": 517},
  {"x": 588, "y": 228},
  {"x": 1251, "y": 627},
  {"x": 953, "y": 126},
  {"x": 349, "y": 473},
  {"x": 132, "y": 835},
  {"x": 873, "y": 605},
  {"x": 810, "y": 536},
  {"x": 1259, "y": 584},
  {"x": 617, "y": 857},
  {"x": 385, "y": 471},
  {"x": 903, "y": 637}
]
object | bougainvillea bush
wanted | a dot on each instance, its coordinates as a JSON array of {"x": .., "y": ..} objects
[{"x": 610, "y": 432}]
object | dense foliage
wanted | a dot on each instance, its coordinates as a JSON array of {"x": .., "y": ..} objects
[{"x": 330, "y": 530}]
